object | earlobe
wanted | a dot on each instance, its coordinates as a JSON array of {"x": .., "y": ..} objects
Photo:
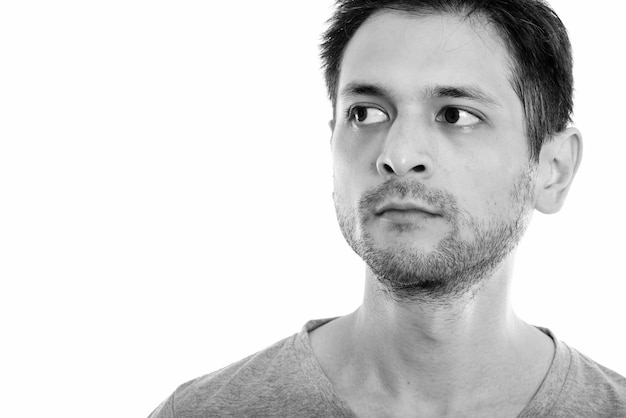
[{"x": 558, "y": 162}]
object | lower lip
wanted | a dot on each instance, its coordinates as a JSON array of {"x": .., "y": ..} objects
[{"x": 406, "y": 216}]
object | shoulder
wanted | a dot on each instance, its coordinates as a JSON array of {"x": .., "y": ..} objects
[
  {"x": 236, "y": 385},
  {"x": 281, "y": 380},
  {"x": 599, "y": 383},
  {"x": 592, "y": 389},
  {"x": 577, "y": 386}
]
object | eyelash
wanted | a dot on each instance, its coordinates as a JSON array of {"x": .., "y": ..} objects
[
  {"x": 348, "y": 113},
  {"x": 471, "y": 112},
  {"x": 350, "y": 116}
]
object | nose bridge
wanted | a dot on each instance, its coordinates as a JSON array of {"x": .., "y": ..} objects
[{"x": 405, "y": 150}]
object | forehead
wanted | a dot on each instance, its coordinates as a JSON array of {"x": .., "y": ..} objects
[{"x": 408, "y": 52}]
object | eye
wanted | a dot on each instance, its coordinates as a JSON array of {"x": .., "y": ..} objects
[
  {"x": 457, "y": 117},
  {"x": 366, "y": 115}
]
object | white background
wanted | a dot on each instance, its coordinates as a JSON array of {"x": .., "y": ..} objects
[{"x": 165, "y": 197}]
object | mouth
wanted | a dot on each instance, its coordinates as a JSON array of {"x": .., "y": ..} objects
[
  {"x": 405, "y": 209},
  {"x": 406, "y": 213}
]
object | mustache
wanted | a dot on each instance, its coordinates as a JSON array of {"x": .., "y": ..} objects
[{"x": 410, "y": 190}]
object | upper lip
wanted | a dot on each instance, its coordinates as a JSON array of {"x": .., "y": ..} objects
[{"x": 406, "y": 206}]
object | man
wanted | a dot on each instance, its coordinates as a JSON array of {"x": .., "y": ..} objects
[{"x": 450, "y": 127}]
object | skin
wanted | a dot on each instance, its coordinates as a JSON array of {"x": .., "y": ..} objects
[{"x": 468, "y": 355}]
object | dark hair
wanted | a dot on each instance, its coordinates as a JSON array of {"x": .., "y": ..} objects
[{"x": 537, "y": 41}]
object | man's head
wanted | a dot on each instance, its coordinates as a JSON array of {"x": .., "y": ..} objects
[
  {"x": 435, "y": 179},
  {"x": 536, "y": 40}
]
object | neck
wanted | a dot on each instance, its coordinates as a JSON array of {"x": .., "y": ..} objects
[
  {"x": 444, "y": 354},
  {"x": 446, "y": 340}
]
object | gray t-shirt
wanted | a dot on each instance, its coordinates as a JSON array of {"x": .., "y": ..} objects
[{"x": 285, "y": 380}]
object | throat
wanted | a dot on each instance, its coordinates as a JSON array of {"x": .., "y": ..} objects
[{"x": 432, "y": 361}]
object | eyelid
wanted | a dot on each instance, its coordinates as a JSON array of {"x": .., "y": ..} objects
[
  {"x": 478, "y": 115},
  {"x": 366, "y": 105},
  {"x": 471, "y": 111},
  {"x": 349, "y": 115}
]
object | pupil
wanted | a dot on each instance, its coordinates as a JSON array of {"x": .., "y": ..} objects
[
  {"x": 360, "y": 113},
  {"x": 451, "y": 115}
]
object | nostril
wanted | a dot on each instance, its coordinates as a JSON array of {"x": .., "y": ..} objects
[
  {"x": 419, "y": 168},
  {"x": 388, "y": 169}
]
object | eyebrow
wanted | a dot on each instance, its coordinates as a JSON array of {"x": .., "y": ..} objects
[
  {"x": 463, "y": 92},
  {"x": 469, "y": 92},
  {"x": 364, "y": 89}
]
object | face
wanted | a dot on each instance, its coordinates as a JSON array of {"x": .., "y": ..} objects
[{"x": 432, "y": 175}]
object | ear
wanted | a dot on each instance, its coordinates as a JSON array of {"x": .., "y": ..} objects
[
  {"x": 331, "y": 125},
  {"x": 558, "y": 162}
]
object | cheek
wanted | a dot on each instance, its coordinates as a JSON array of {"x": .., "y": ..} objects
[
  {"x": 354, "y": 167},
  {"x": 346, "y": 191},
  {"x": 485, "y": 189},
  {"x": 343, "y": 179}
]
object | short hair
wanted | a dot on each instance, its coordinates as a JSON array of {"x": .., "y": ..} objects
[{"x": 537, "y": 42}]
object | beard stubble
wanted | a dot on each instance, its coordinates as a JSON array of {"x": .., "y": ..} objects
[{"x": 470, "y": 252}]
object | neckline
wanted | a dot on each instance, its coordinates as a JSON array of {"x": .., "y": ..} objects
[{"x": 542, "y": 402}]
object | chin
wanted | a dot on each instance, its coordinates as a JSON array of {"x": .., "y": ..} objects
[
  {"x": 439, "y": 272},
  {"x": 404, "y": 238}
]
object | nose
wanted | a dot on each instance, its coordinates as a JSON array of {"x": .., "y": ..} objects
[{"x": 405, "y": 151}]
